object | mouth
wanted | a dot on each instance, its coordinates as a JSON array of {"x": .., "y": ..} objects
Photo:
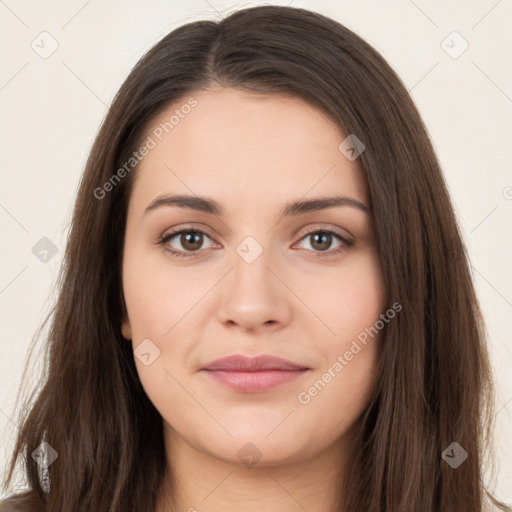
[
  {"x": 253, "y": 374},
  {"x": 255, "y": 382}
]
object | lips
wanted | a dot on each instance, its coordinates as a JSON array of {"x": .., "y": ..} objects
[
  {"x": 253, "y": 374},
  {"x": 252, "y": 364}
]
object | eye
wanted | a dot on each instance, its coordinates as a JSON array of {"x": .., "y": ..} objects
[
  {"x": 191, "y": 242},
  {"x": 322, "y": 240}
]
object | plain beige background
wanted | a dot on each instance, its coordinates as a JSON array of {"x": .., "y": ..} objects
[{"x": 63, "y": 62}]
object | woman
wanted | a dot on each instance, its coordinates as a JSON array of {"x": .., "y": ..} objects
[{"x": 265, "y": 302}]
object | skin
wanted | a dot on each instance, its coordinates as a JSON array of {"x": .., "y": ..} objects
[{"x": 252, "y": 154}]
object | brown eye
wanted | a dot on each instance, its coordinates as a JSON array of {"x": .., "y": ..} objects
[
  {"x": 185, "y": 241},
  {"x": 321, "y": 241},
  {"x": 191, "y": 241}
]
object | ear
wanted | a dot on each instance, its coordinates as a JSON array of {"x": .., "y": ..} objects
[{"x": 126, "y": 328}]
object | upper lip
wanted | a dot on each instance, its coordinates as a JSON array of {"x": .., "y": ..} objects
[{"x": 242, "y": 363}]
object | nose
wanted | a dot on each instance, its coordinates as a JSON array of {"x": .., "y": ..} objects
[{"x": 254, "y": 296}]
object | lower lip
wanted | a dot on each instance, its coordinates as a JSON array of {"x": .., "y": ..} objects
[{"x": 254, "y": 382}]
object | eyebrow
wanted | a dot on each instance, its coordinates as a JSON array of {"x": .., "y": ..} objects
[{"x": 295, "y": 208}]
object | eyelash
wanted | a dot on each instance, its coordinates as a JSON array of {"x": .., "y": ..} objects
[{"x": 346, "y": 243}]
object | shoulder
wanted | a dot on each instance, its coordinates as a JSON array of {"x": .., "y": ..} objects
[{"x": 22, "y": 502}]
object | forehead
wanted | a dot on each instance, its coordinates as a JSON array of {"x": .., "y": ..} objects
[{"x": 241, "y": 147}]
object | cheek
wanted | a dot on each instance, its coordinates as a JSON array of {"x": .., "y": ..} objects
[
  {"x": 352, "y": 310},
  {"x": 157, "y": 304},
  {"x": 349, "y": 300},
  {"x": 155, "y": 299}
]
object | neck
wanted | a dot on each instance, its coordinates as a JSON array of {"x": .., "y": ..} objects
[{"x": 197, "y": 482}]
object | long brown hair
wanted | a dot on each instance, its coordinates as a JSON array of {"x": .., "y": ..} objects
[{"x": 435, "y": 384}]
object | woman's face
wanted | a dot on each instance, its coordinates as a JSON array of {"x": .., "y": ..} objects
[{"x": 251, "y": 281}]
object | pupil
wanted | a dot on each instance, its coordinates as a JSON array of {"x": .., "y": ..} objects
[
  {"x": 191, "y": 245},
  {"x": 324, "y": 236}
]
